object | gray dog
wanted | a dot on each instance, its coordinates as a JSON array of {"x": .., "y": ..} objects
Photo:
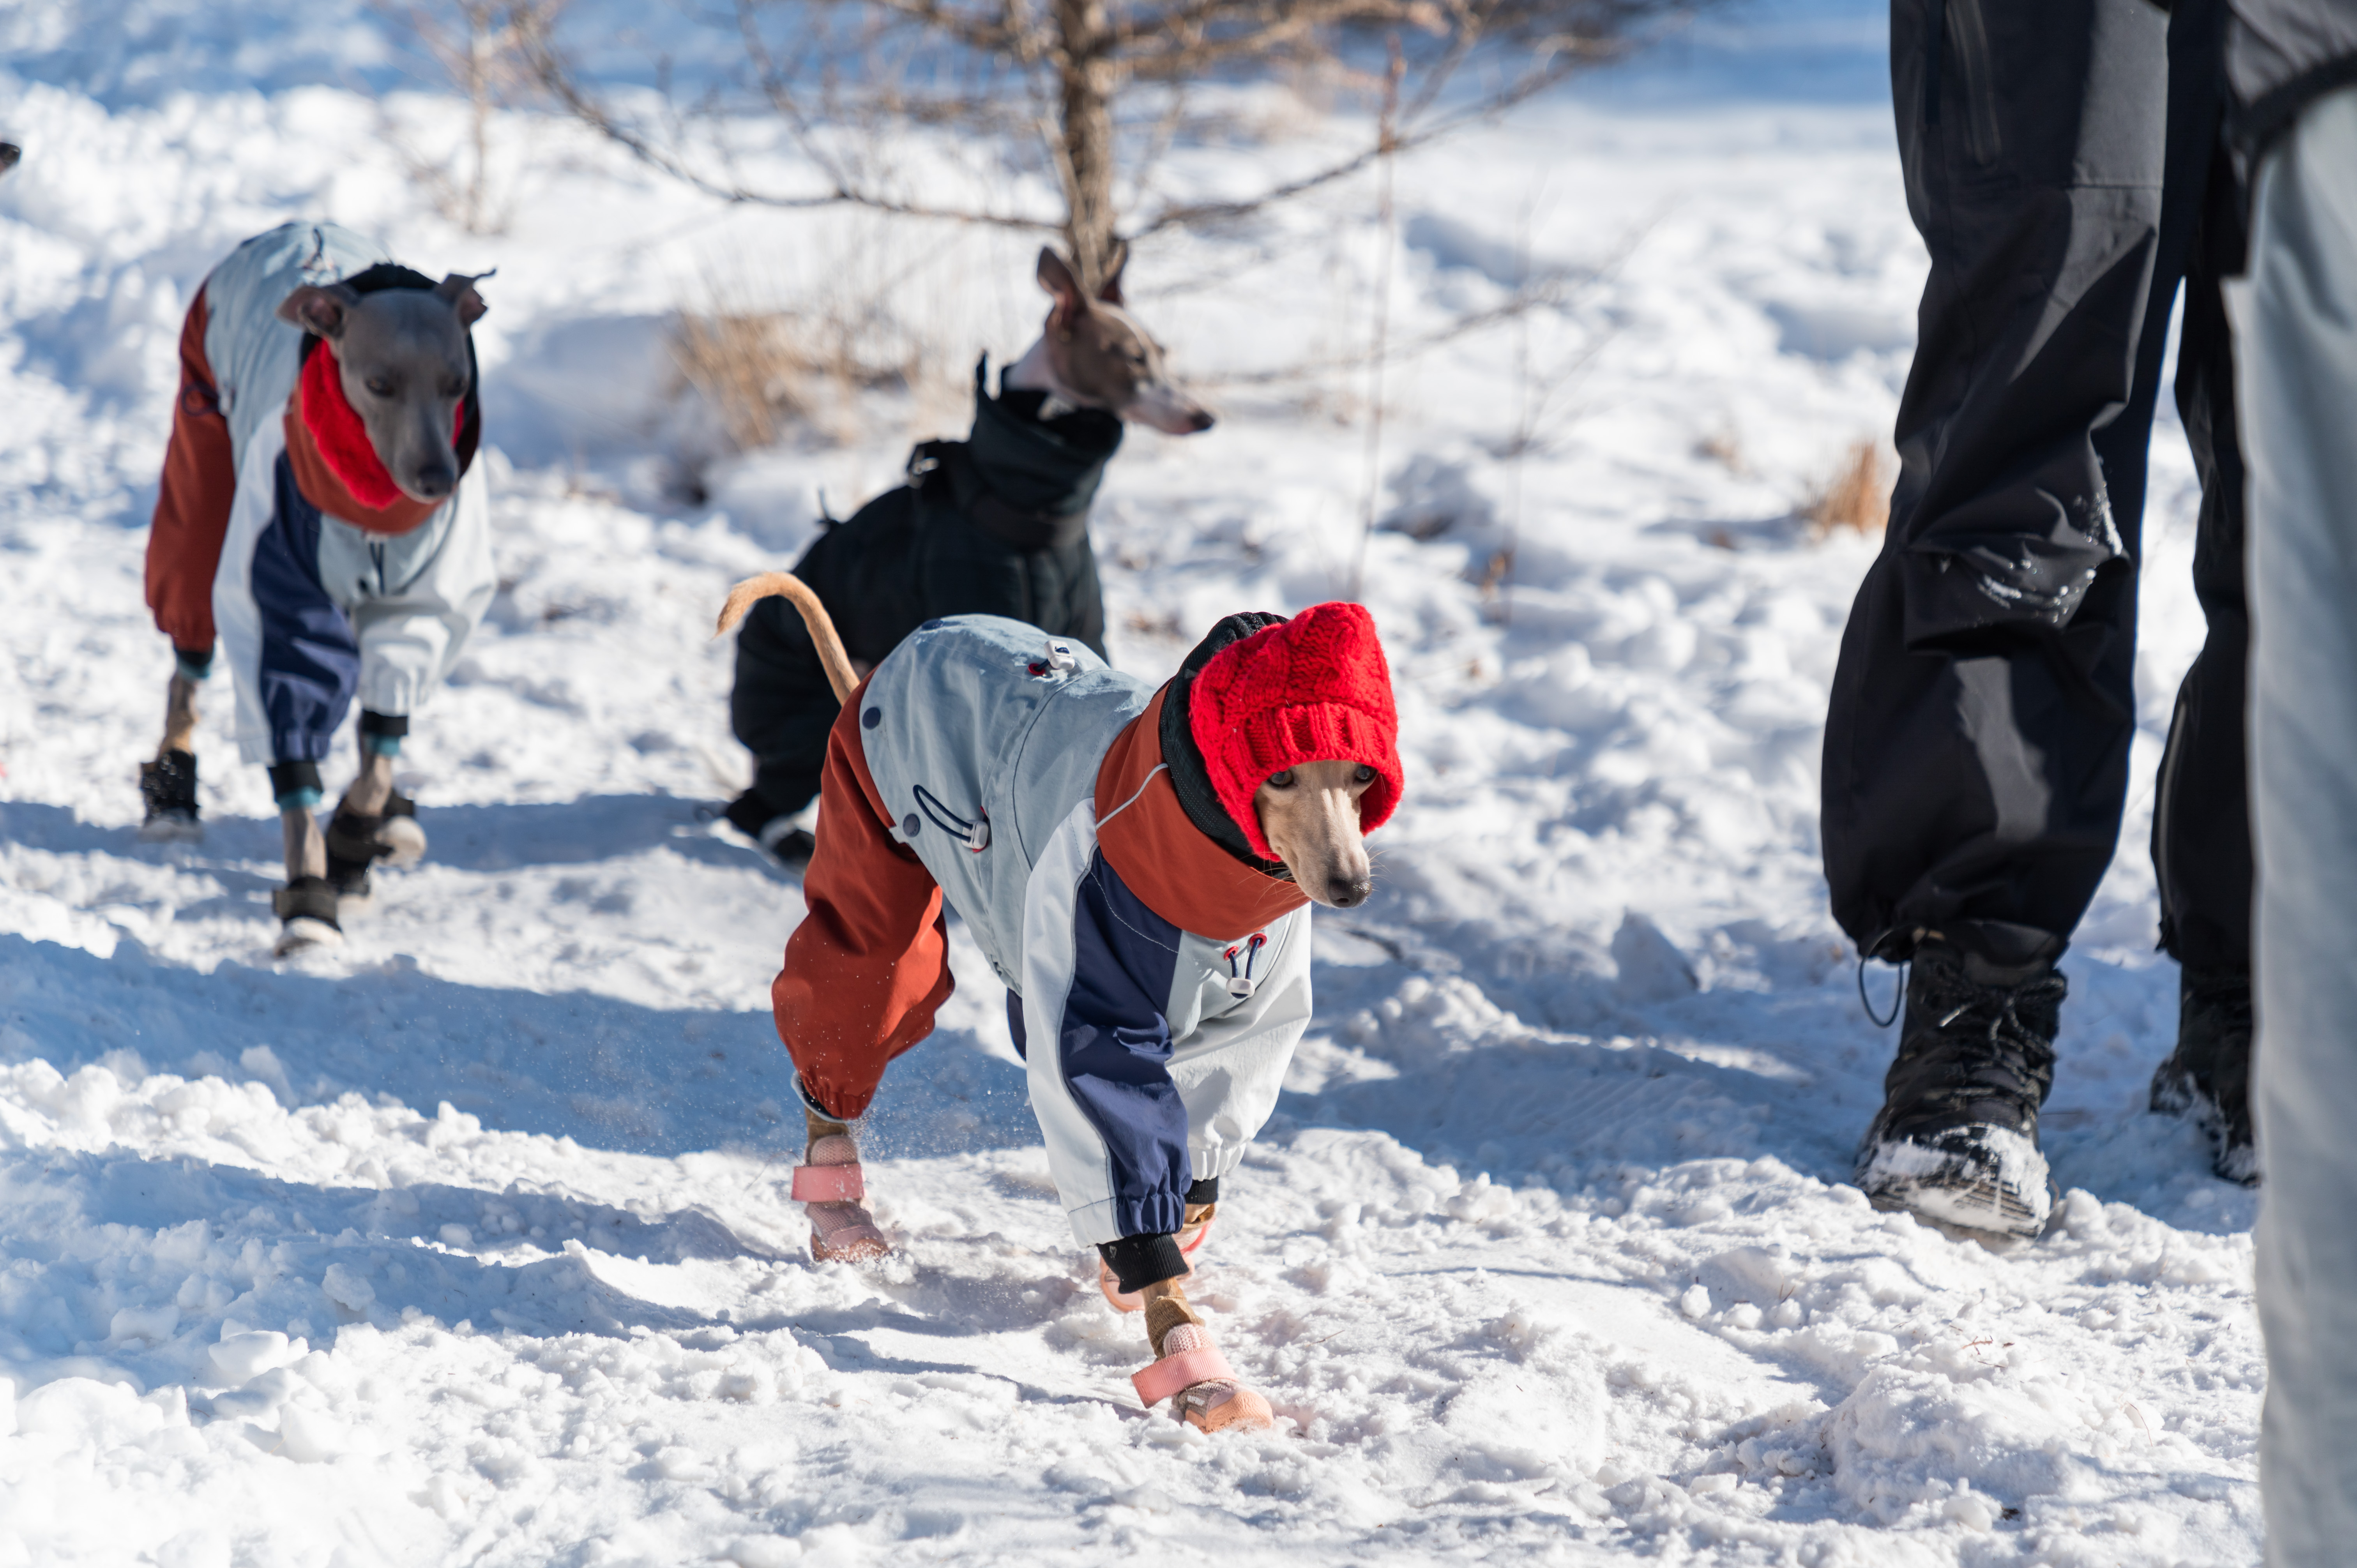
[{"x": 318, "y": 511}]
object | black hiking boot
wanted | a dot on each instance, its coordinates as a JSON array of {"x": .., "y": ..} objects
[
  {"x": 355, "y": 842},
  {"x": 1956, "y": 1140},
  {"x": 168, "y": 785},
  {"x": 306, "y": 908},
  {"x": 2208, "y": 1077},
  {"x": 774, "y": 831}
]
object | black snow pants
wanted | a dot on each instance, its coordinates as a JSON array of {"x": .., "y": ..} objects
[
  {"x": 2063, "y": 162},
  {"x": 996, "y": 524}
]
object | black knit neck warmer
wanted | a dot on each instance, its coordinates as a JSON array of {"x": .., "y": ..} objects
[
  {"x": 1026, "y": 481},
  {"x": 393, "y": 275},
  {"x": 1188, "y": 776}
]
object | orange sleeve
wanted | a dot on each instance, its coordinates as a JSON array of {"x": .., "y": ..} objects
[
  {"x": 192, "y": 503},
  {"x": 868, "y": 966}
]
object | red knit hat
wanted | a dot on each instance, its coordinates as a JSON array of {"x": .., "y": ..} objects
[{"x": 1315, "y": 689}]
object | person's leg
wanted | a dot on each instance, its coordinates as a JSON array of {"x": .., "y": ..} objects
[
  {"x": 2296, "y": 333},
  {"x": 2201, "y": 826},
  {"x": 1976, "y": 743}
]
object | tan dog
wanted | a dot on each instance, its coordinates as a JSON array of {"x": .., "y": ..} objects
[{"x": 1179, "y": 874}]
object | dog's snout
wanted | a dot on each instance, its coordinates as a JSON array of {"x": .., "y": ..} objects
[
  {"x": 432, "y": 482},
  {"x": 1349, "y": 892},
  {"x": 1201, "y": 420}
]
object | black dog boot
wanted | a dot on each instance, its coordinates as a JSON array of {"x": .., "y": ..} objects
[
  {"x": 306, "y": 908},
  {"x": 168, "y": 785},
  {"x": 774, "y": 831},
  {"x": 2208, "y": 1077},
  {"x": 355, "y": 842},
  {"x": 1956, "y": 1140}
]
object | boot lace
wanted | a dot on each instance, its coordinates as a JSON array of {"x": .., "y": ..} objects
[{"x": 1979, "y": 1042}]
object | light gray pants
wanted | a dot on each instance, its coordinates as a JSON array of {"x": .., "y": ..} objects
[{"x": 2295, "y": 320}]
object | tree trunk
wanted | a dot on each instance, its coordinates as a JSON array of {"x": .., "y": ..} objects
[{"x": 1087, "y": 76}]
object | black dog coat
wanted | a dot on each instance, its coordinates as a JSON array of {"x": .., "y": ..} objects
[{"x": 995, "y": 524}]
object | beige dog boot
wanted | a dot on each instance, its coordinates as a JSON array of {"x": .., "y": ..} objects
[
  {"x": 830, "y": 1187},
  {"x": 1190, "y": 1370}
]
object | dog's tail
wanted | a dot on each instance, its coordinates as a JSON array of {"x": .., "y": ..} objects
[{"x": 745, "y": 595}]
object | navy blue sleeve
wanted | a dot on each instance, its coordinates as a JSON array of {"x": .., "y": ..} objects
[
  {"x": 310, "y": 660},
  {"x": 1113, "y": 1049}
]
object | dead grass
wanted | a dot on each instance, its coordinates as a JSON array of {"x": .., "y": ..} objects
[
  {"x": 1855, "y": 495},
  {"x": 1724, "y": 447},
  {"x": 771, "y": 371}
]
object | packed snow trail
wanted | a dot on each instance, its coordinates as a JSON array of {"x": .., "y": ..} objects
[{"x": 470, "y": 1242}]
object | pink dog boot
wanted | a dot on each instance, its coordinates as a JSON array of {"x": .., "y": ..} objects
[
  {"x": 829, "y": 1187},
  {"x": 1206, "y": 1395},
  {"x": 1191, "y": 1237}
]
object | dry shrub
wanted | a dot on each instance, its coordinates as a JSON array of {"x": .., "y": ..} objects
[
  {"x": 1724, "y": 447},
  {"x": 747, "y": 369},
  {"x": 1856, "y": 496},
  {"x": 767, "y": 370}
]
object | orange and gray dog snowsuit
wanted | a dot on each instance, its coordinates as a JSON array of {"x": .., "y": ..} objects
[
  {"x": 316, "y": 596},
  {"x": 1158, "y": 979}
]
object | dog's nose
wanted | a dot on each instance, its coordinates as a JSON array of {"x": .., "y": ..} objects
[
  {"x": 1200, "y": 421},
  {"x": 1350, "y": 891},
  {"x": 432, "y": 482}
]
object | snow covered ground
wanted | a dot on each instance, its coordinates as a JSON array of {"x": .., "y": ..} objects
[{"x": 471, "y": 1243}]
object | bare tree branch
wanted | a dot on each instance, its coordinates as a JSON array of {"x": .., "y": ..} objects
[{"x": 1005, "y": 71}]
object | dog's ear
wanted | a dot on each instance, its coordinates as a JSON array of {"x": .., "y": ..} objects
[
  {"x": 317, "y": 309},
  {"x": 1109, "y": 290},
  {"x": 9, "y": 156},
  {"x": 457, "y": 291},
  {"x": 1056, "y": 277}
]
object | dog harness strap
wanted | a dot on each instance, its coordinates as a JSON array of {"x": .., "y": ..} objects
[
  {"x": 829, "y": 1184},
  {"x": 1176, "y": 1374}
]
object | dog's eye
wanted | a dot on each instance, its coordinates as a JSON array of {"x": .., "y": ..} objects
[
  {"x": 1365, "y": 775},
  {"x": 1281, "y": 781},
  {"x": 452, "y": 386},
  {"x": 378, "y": 386}
]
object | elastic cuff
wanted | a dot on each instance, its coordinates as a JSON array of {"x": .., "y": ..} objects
[
  {"x": 810, "y": 1102},
  {"x": 289, "y": 780},
  {"x": 1204, "y": 1192},
  {"x": 1141, "y": 1260},
  {"x": 393, "y": 725},
  {"x": 193, "y": 665}
]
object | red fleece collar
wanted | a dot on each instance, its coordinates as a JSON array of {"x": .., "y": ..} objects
[{"x": 342, "y": 439}]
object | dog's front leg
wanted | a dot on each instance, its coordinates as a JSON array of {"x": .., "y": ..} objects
[
  {"x": 1189, "y": 1369},
  {"x": 830, "y": 1187},
  {"x": 307, "y": 848},
  {"x": 180, "y": 716}
]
